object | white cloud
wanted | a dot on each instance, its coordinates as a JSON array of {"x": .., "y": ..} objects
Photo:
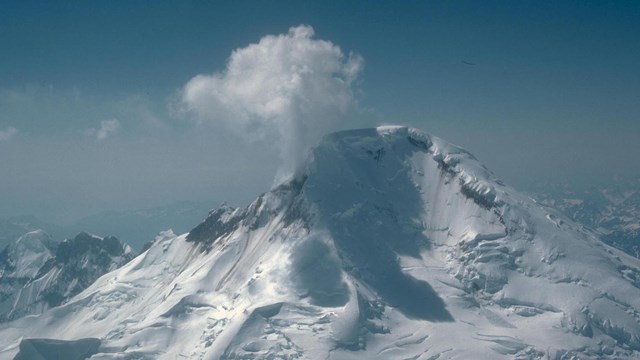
[
  {"x": 8, "y": 133},
  {"x": 107, "y": 129},
  {"x": 287, "y": 89}
]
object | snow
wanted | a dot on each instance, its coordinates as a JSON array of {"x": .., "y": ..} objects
[
  {"x": 394, "y": 244},
  {"x": 30, "y": 252},
  {"x": 37, "y": 273}
]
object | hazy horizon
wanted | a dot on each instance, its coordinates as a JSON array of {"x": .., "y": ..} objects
[{"x": 115, "y": 106}]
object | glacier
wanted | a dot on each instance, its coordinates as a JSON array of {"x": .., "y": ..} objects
[{"x": 389, "y": 244}]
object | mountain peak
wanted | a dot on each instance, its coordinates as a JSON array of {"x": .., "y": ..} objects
[
  {"x": 385, "y": 145},
  {"x": 24, "y": 257},
  {"x": 85, "y": 243}
]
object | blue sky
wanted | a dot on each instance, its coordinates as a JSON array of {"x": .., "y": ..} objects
[{"x": 88, "y": 90}]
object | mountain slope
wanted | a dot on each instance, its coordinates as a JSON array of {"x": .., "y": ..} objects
[
  {"x": 391, "y": 244},
  {"x": 38, "y": 274},
  {"x": 20, "y": 261}
]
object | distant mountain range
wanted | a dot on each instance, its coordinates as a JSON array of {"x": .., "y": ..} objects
[
  {"x": 612, "y": 209},
  {"x": 134, "y": 227},
  {"x": 37, "y": 273},
  {"x": 138, "y": 227}
]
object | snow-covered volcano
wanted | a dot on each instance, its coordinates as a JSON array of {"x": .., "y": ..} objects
[{"x": 392, "y": 244}]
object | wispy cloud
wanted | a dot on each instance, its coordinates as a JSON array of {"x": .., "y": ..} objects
[
  {"x": 107, "y": 129},
  {"x": 8, "y": 133},
  {"x": 289, "y": 89},
  {"x": 52, "y": 112}
]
